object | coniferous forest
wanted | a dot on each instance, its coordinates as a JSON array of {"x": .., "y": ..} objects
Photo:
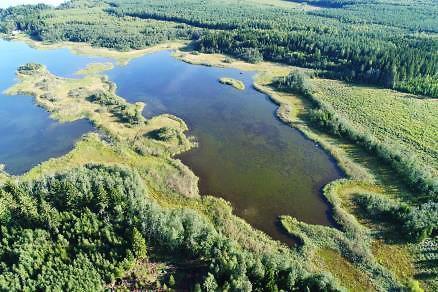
[{"x": 373, "y": 42}]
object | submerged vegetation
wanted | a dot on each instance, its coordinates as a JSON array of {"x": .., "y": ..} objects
[{"x": 120, "y": 212}]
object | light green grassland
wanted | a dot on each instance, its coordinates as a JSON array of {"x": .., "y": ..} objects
[
  {"x": 232, "y": 82},
  {"x": 404, "y": 120}
]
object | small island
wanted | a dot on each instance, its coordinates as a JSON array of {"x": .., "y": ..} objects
[{"x": 232, "y": 82}]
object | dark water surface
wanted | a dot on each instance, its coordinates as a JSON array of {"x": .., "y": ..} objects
[
  {"x": 27, "y": 135},
  {"x": 245, "y": 155}
]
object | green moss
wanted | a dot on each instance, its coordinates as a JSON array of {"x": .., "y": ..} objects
[{"x": 350, "y": 276}]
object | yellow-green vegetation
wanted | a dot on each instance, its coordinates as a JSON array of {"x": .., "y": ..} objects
[
  {"x": 232, "y": 82},
  {"x": 403, "y": 120},
  {"x": 3, "y": 175},
  {"x": 330, "y": 260},
  {"x": 93, "y": 97},
  {"x": 95, "y": 68},
  {"x": 396, "y": 256},
  {"x": 347, "y": 256}
]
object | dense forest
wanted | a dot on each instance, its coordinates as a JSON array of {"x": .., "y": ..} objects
[
  {"x": 376, "y": 42},
  {"x": 85, "y": 228}
]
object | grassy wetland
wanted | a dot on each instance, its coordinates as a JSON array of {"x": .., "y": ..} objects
[
  {"x": 129, "y": 215},
  {"x": 141, "y": 145}
]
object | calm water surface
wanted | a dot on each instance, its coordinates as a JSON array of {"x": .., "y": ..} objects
[
  {"x": 27, "y": 135},
  {"x": 245, "y": 155}
]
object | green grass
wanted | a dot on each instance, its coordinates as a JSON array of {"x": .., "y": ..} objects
[
  {"x": 350, "y": 276},
  {"x": 348, "y": 258},
  {"x": 403, "y": 120},
  {"x": 232, "y": 82}
]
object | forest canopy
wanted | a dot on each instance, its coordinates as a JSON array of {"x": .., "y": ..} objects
[
  {"x": 378, "y": 43},
  {"x": 84, "y": 228}
]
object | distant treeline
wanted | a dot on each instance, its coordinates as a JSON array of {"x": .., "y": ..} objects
[
  {"x": 407, "y": 67},
  {"x": 386, "y": 49},
  {"x": 329, "y": 3},
  {"x": 352, "y": 50}
]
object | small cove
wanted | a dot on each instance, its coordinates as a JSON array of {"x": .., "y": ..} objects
[{"x": 28, "y": 135}]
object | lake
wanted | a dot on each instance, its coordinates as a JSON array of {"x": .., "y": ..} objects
[
  {"x": 28, "y": 135},
  {"x": 246, "y": 155}
]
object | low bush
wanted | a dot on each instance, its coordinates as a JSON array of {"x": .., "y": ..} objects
[{"x": 417, "y": 223}]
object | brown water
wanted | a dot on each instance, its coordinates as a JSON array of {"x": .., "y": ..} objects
[{"x": 245, "y": 155}]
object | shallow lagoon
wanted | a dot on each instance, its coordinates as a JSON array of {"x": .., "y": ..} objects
[
  {"x": 245, "y": 155},
  {"x": 28, "y": 135}
]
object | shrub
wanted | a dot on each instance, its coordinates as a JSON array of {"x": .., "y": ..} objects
[
  {"x": 417, "y": 223},
  {"x": 30, "y": 68},
  {"x": 295, "y": 82}
]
